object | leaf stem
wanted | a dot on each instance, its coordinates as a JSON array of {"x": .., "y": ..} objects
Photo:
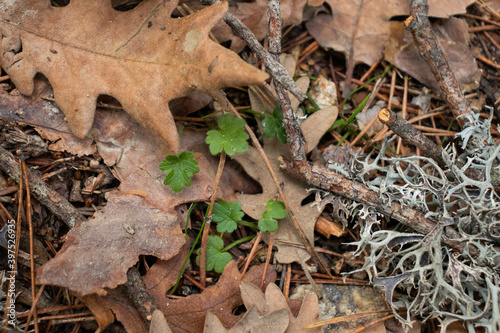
[
  {"x": 248, "y": 224},
  {"x": 188, "y": 216},
  {"x": 239, "y": 241}
]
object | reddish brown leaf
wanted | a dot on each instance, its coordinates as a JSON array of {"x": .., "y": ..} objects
[
  {"x": 117, "y": 302},
  {"x": 163, "y": 274},
  {"x": 97, "y": 254}
]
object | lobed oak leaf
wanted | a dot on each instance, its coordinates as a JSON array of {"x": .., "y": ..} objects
[
  {"x": 295, "y": 190},
  {"x": 142, "y": 57},
  {"x": 188, "y": 314},
  {"x": 131, "y": 152},
  {"x": 269, "y": 312}
]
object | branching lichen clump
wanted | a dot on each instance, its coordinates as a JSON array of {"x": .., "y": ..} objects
[{"x": 437, "y": 280}]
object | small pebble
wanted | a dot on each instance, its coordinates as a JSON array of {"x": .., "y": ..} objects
[{"x": 94, "y": 164}]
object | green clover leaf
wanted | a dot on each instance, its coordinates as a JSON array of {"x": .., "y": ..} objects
[
  {"x": 216, "y": 258},
  {"x": 274, "y": 210},
  {"x": 230, "y": 137},
  {"x": 270, "y": 225},
  {"x": 273, "y": 125},
  {"x": 227, "y": 215},
  {"x": 179, "y": 170}
]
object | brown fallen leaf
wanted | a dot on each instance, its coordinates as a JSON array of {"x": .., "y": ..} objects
[
  {"x": 269, "y": 312},
  {"x": 252, "y": 321},
  {"x": 453, "y": 36},
  {"x": 188, "y": 314},
  {"x": 362, "y": 27},
  {"x": 97, "y": 254},
  {"x": 163, "y": 274},
  {"x": 286, "y": 239},
  {"x": 142, "y": 57},
  {"x": 159, "y": 323},
  {"x": 103, "y": 314}
]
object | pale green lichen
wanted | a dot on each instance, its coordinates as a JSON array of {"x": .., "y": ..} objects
[{"x": 436, "y": 280}]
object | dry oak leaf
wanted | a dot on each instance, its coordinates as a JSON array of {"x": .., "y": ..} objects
[
  {"x": 188, "y": 314},
  {"x": 273, "y": 300},
  {"x": 264, "y": 308},
  {"x": 252, "y": 322},
  {"x": 98, "y": 253},
  {"x": 363, "y": 26},
  {"x": 142, "y": 57}
]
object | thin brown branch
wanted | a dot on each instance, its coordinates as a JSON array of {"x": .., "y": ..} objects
[
  {"x": 277, "y": 71},
  {"x": 411, "y": 135},
  {"x": 32, "y": 249},
  {"x": 429, "y": 49}
]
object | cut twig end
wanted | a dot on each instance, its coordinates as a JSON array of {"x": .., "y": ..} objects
[
  {"x": 384, "y": 115},
  {"x": 408, "y": 21}
]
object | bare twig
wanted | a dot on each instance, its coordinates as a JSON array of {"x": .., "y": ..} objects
[
  {"x": 277, "y": 71},
  {"x": 139, "y": 295},
  {"x": 54, "y": 202},
  {"x": 412, "y": 135},
  {"x": 429, "y": 48}
]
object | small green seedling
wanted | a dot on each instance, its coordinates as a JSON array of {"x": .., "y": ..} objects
[
  {"x": 217, "y": 257},
  {"x": 273, "y": 125},
  {"x": 227, "y": 215},
  {"x": 179, "y": 170},
  {"x": 230, "y": 137},
  {"x": 275, "y": 210}
]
